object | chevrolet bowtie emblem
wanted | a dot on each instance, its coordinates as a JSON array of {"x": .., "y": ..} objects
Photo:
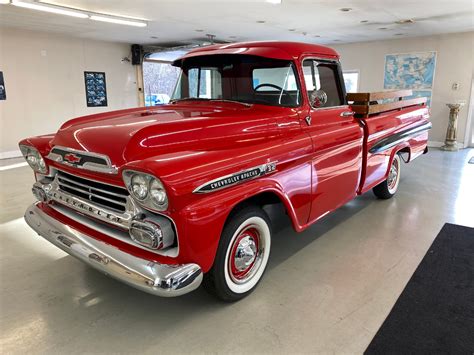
[{"x": 72, "y": 158}]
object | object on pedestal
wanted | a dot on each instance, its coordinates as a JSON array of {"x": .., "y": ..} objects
[{"x": 450, "y": 143}]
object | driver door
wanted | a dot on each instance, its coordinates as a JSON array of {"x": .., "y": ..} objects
[{"x": 337, "y": 138}]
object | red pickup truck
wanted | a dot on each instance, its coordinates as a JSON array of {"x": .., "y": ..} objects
[{"x": 166, "y": 198}]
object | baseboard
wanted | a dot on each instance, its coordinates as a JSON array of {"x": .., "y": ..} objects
[
  {"x": 10, "y": 154},
  {"x": 434, "y": 144}
]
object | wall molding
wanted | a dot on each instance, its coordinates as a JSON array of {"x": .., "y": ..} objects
[{"x": 10, "y": 154}]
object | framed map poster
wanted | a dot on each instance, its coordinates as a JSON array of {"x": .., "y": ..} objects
[
  {"x": 414, "y": 71},
  {"x": 3, "y": 91},
  {"x": 96, "y": 90}
]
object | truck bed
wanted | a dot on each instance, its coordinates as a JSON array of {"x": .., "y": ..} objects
[{"x": 391, "y": 124}]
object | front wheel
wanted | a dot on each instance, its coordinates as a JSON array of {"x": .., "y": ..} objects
[
  {"x": 386, "y": 189},
  {"x": 242, "y": 255}
]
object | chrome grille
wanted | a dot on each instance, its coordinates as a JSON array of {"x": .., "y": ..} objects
[{"x": 104, "y": 195}]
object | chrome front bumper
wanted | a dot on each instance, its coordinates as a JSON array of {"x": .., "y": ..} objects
[{"x": 157, "y": 279}]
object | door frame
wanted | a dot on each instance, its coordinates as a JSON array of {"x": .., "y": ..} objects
[{"x": 469, "y": 131}]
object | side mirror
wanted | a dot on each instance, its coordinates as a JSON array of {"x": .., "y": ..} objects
[{"x": 318, "y": 98}]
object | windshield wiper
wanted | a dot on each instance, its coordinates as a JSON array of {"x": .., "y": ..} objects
[
  {"x": 206, "y": 99},
  {"x": 233, "y": 101},
  {"x": 188, "y": 99}
]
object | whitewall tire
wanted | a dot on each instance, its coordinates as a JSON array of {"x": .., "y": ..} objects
[
  {"x": 242, "y": 255},
  {"x": 386, "y": 189}
]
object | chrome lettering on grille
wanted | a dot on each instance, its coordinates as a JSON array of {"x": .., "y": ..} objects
[
  {"x": 78, "y": 205},
  {"x": 233, "y": 179}
]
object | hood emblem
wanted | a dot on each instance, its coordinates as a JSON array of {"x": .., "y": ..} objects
[
  {"x": 72, "y": 158},
  {"x": 82, "y": 159}
]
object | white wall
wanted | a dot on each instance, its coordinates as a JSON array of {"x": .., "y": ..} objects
[
  {"x": 454, "y": 63},
  {"x": 44, "y": 80}
]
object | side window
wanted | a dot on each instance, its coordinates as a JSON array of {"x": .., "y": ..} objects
[
  {"x": 311, "y": 76},
  {"x": 323, "y": 76}
]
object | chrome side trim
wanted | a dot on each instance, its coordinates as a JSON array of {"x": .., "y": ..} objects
[
  {"x": 399, "y": 137},
  {"x": 155, "y": 278},
  {"x": 236, "y": 178},
  {"x": 107, "y": 168}
]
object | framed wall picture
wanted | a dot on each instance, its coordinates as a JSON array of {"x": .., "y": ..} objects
[
  {"x": 3, "y": 92},
  {"x": 414, "y": 71},
  {"x": 96, "y": 90}
]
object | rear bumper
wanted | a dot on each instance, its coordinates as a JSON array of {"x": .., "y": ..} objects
[{"x": 157, "y": 279}]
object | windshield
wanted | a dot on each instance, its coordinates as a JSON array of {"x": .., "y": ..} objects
[{"x": 242, "y": 78}]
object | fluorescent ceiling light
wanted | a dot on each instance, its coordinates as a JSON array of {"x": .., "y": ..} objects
[
  {"x": 68, "y": 11},
  {"x": 4, "y": 2},
  {"x": 50, "y": 8},
  {"x": 275, "y": 2},
  {"x": 120, "y": 21}
]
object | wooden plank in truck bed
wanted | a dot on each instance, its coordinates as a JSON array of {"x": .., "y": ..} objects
[
  {"x": 374, "y": 96},
  {"x": 365, "y": 103},
  {"x": 372, "y": 109}
]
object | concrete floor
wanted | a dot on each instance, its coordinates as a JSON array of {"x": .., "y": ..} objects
[{"x": 326, "y": 290}]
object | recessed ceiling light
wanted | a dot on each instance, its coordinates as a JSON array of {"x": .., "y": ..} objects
[
  {"x": 274, "y": 2},
  {"x": 364, "y": 21},
  {"x": 383, "y": 28},
  {"x": 346, "y": 9},
  {"x": 261, "y": 21},
  {"x": 405, "y": 21}
]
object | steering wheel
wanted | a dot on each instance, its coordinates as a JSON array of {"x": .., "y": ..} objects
[{"x": 274, "y": 87}]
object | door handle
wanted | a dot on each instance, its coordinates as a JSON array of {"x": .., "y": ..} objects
[{"x": 347, "y": 113}]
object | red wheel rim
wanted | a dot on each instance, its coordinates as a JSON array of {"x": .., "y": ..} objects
[{"x": 243, "y": 254}]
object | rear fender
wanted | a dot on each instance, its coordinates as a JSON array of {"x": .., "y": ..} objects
[{"x": 405, "y": 147}]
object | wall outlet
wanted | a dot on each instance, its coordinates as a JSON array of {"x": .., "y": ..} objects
[{"x": 455, "y": 86}]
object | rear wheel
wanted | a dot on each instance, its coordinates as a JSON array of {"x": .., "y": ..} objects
[
  {"x": 242, "y": 255},
  {"x": 389, "y": 187}
]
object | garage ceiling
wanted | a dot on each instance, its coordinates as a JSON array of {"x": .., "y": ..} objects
[{"x": 175, "y": 22}]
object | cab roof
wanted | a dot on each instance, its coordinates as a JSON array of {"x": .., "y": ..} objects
[{"x": 268, "y": 49}]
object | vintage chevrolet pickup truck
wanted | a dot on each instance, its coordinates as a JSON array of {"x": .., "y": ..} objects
[{"x": 165, "y": 198}]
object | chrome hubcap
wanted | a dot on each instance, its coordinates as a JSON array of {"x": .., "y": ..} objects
[
  {"x": 245, "y": 253},
  {"x": 393, "y": 175}
]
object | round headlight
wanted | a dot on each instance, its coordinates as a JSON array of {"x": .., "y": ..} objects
[
  {"x": 148, "y": 190},
  {"x": 34, "y": 159},
  {"x": 139, "y": 186},
  {"x": 158, "y": 194}
]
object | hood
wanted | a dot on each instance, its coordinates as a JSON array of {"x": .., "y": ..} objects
[{"x": 136, "y": 134}]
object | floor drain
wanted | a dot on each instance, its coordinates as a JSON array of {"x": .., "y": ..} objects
[{"x": 471, "y": 161}]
